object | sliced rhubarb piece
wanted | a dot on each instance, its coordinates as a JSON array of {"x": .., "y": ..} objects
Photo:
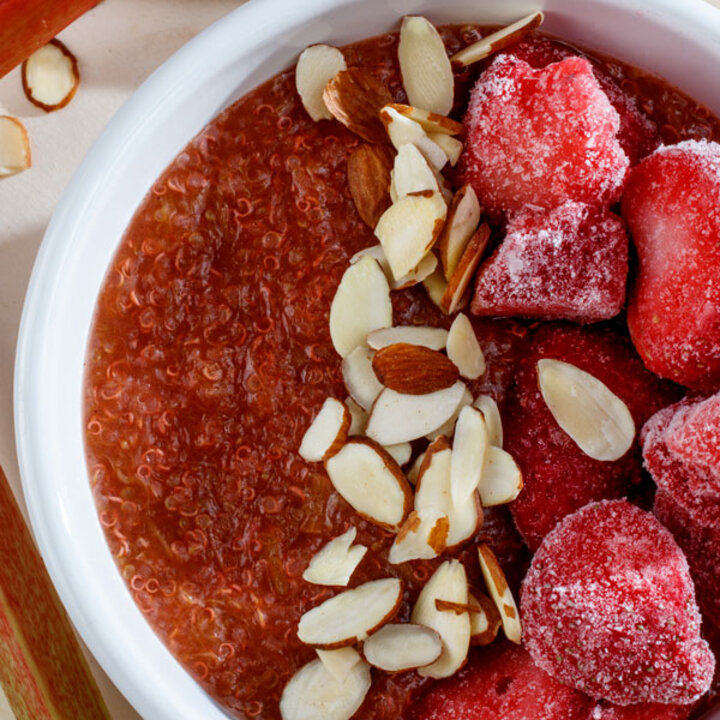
[
  {"x": 359, "y": 377},
  {"x": 470, "y": 450},
  {"x": 448, "y": 582},
  {"x": 396, "y": 417},
  {"x": 339, "y": 663},
  {"x": 429, "y": 121},
  {"x": 424, "y": 335},
  {"x": 402, "y": 131},
  {"x": 399, "y": 647},
  {"x": 14, "y": 146},
  {"x": 501, "y": 480},
  {"x": 327, "y": 433},
  {"x": 454, "y": 295},
  {"x": 596, "y": 419},
  {"x": 488, "y": 407},
  {"x": 372, "y": 482},
  {"x": 464, "y": 349},
  {"x": 351, "y": 616},
  {"x": 316, "y": 66},
  {"x": 50, "y": 76},
  {"x": 368, "y": 169},
  {"x": 361, "y": 305},
  {"x": 500, "y": 593},
  {"x": 413, "y": 369},
  {"x": 411, "y": 173},
  {"x": 425, "y": 66},
  {"x": 422, "y": 536},
  {"x": 463, "y": 218},
  {"x": 314, "y": 693},
  {"x": 336, "y": 561}
]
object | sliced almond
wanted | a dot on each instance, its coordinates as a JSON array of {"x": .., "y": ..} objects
[
  {"x": 500, "y": 593},
  {"x": 497, "y": 41},
  {"x": 316, "y": 66},
  {"x": 429, "y": 121},
  {"x": 372, "y": 482},
  {"x": 413, "y": 369},
  {"x": 396, "y": 417},
  {"x": 359, "y": 377},
  {"x": 459, "y": 282},
  {"x": 50, "y": 76},
  {"x": 358, "y": 417},
  {"x": 355, "y": 97},
  {"x": 336, "y": 561},
  {"x": 424, "y": 268},
  {"x": 327, "y": 432},
  {"x": 313, "y": 693},
  {"x": 361, "y": 305},
  {"x": 403, "y": 131},
  {"x": 409, "y": 228},
  {"x": 411, "y": 173},
  {"x": 448, "y": 582},
  {"x": 422, "y": 536},
  {"x": 501, "y": 480},
  {"x": 470, "y": 450},
  {"x": 424, "y": 335},
  {"x": 488, "y": 407},
  {"x": 436, "y": 286},
  {"x": 451, "y": 146},
  {"x": 596, "y": 419},
  {"x": 398, "y": 647},
  {"x": 340, "y": 662},
  {"x": 462, "y": 221},
  {"x": 447, "y": 429},
  {"x": 400, "y": 453},
  {"x": 377, "y": 253},
  {"x": 414, "y": 471},
  {"x": 425, "y": 66},
  {"x": 351, "y": 616},
  {"x": 368, "y": 169},
  {"x": 14, "y": 146},
  {"x": 464, "y": 349},
  {"x": 484, "y": 625}
]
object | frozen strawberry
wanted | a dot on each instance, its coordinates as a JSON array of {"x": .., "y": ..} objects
[
  {"x": 643, "y": 711},
  {"x": 542, "y": 137},
  {"x": 567, "y": 263},
  {"x": 672, "y": 207},
  {"x": 558, "y": 477},
  {"x": 501, "y": 682},
  {"x": 609, "y": 608}
]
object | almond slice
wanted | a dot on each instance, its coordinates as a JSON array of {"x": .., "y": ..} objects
[
  {"x": 327, "y": 432},
  {"x": 377, "y": 253},
  {"x": 351, "y": 616},
  {"x": 470, "y": 450},
  {"x": 596, "y": 419},
  {"x": 50, "y": 76},
  {"x": 459, "y": 282},
  {"x": 429, "y": 121},
  {"x": 422, "y": 536},
  {"x": 413, "y": 369},
  {"x": 359, "y": 377},
  {"x": 400, "y": 453},
  {"x": 500, "y": 593},
  {"x": 452, "y": 147},
  {"x": 448, "y": 582},
  {"x": 501, "y": 481},
  {"x": 464, "y": 349},
  {"x": 425, "y": 66},
  {"x": 436, "y": 286},
  {"x": 411, "y": 173},
  {"x": 358, "y": 417},
  {"x": 340, "y": 662},
  {"x": 462, "y": 221},
  {"x": 403, "y": 131},
  {"x": 355, "y": 97},
  {"x": 313, "y": 693},
  {"x": 448, "y": 428},
  {"x": 425, "y": 268},
  {"x": 484, "y": 625},
  {"x": 488, "y": 407},
  {"x": 316, "y": 66},
  {"x": 424, "y": 335},
  {"x": 409, "y": 228},
  {"x": 497, "y": 40},
  {"x": 399, "y": 647},
  {"x": 414, "y": 471},
  {"x": 368, "y": 170},
  {"x": 368, "y": 478},
  {"x": 361, "y": 305},
  {"x": 14, "y": 146},
  {"x": 336, "y": 561},
  {"x": 396, "y": 417}
]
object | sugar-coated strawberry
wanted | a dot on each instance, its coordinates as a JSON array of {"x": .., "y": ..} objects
[
  {"x": 672, "y": 207},
  {"x": 568, "y": 263},
  {"x": 542, "y": 137},
  {"x": 643, "y": 711},
  {"x": 608, "y": 608},
  {"x": 501, "y": 681},
  {"x": 558, "y": 477}
]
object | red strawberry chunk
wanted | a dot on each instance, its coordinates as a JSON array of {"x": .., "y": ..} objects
[
  {"x": 609, "y": 608},
  {"x": 643, "y": 711},
  {"x": 542, "y": 137},
  {"x": 567, "y": 263},
  {"x": 501, "y": 681},
  {"x": 558, "y": 477},
  {"x": 672, "y": 207}
]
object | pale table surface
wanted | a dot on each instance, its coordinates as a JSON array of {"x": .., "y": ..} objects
[{"x": 118, "y": 44}]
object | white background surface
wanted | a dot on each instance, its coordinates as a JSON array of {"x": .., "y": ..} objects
[{"x": 118, "y": 44}]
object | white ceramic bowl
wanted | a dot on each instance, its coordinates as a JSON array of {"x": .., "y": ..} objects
[{"x": 679, "y": 40}]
